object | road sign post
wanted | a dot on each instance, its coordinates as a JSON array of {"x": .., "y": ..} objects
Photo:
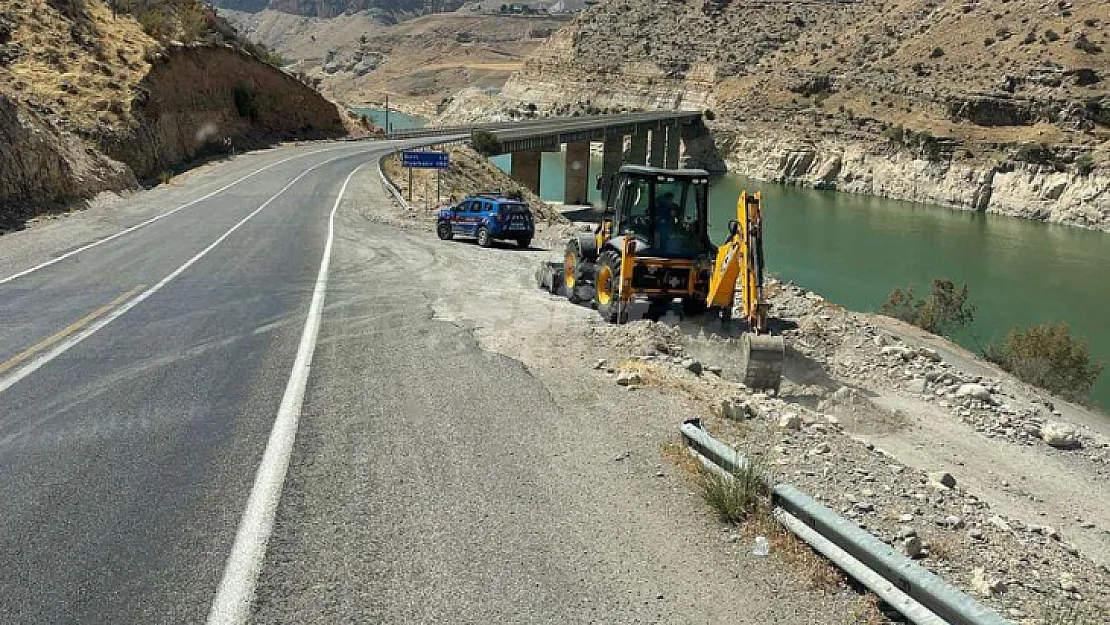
[{"x": 425, "y": 159}]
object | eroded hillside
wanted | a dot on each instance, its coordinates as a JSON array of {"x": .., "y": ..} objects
[
  {"x": 997, "y": 105},
  {"x": 417, "y": 63},
  {"x": 91, "y": 101}
]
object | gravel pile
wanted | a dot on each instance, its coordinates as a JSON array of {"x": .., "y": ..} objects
[
  {"x": 854, "y": 351},
  {"x": 1028, "y": 571}
]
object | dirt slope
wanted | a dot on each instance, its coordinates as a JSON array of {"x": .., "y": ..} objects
[{"x": 90, "y": 102}]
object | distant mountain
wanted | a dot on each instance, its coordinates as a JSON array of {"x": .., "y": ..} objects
[{"x": 333, "y": 8}]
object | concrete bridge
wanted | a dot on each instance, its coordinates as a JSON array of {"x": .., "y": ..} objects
[{"x": 650, "y": 138}]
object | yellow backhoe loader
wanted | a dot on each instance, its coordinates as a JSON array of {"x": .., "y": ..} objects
[{"x": 654, "y": 244}]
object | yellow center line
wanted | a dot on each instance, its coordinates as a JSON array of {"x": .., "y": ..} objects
[{"x": 67, "y": 331}]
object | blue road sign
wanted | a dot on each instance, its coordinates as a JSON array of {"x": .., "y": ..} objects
[{"x": 427, "y": 160}]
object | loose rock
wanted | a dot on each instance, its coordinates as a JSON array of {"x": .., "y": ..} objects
[{"x": 1060, "y": 435}]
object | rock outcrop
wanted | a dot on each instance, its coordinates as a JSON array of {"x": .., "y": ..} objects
[{"x": 1023, "y": 190}]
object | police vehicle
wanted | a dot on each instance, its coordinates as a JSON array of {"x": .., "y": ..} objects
[{"x": 487, "y": 217}]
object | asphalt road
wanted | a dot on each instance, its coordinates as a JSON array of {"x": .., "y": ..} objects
[
  {"x": 147, "y": 379},
  {"x": 128, "y": 458}
]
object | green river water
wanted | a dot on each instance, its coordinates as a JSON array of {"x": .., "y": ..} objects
[{"x": 853, "y": 249}]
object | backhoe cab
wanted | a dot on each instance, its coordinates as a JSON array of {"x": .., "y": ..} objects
[{"x": 654, "y": 244}]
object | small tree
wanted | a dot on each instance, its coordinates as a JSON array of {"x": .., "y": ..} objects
[
  {"x": 946, "y": 309},
  {"x": 1049, "y": 357},
  {"x": 485, "y": 143}
]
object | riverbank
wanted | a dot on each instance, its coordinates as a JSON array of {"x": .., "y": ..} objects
[{"x": 1037, "y": 192}]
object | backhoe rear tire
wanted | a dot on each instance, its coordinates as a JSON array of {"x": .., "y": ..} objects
[{"x": 606, "y": 291}]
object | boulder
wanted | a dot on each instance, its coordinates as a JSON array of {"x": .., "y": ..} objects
[
  {"x": 628, "y": 378},
  {"x": 1060, "y": 435},
  {"x": 974, "y": 391},
  {"x": 942, "y": 478},
  {"x": 790, "y": 421}
]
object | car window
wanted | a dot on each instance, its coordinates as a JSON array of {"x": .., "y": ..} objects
[
  {"x": 475, "y": 206},
  {"x": 490, "y": 208}
]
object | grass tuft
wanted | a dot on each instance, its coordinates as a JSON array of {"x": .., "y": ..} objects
[{"x": 735, "y": 496}]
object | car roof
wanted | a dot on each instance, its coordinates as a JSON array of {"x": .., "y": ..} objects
[{"x": 493, "y": 198}]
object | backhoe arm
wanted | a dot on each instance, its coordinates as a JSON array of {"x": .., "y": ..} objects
[{"x": 740, "y": 264}]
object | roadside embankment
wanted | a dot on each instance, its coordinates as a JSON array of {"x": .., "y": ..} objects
[
  {"x": 89, "y": 102},
  {"x": 469, "y": 173},
  {"x": 966, "y": 469}
]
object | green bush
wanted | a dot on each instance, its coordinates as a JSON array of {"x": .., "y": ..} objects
[
  {"x": 1049, "y": 357},
  {"x": 1038, "y": 154},
  {"x": 485, "y": 143},
  {"x": 1085, "y": 165},
  {"x": 946, "y": 309},
  {"x": 245, "y": 104}
]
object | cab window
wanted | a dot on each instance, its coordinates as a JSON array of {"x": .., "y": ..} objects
[{"x": 475, "y": 206}]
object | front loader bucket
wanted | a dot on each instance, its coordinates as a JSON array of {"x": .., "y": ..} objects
[{"x": 762, "y": 358}]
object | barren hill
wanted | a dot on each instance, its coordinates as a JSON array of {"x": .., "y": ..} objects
[
  {"x": 417, "y": 63},
  {"x": 872, "y": 96},
  {"x": 93, "y": 101},
  {"x": 388, "y": 11}
]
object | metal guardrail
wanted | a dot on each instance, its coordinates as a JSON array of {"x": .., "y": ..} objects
[{"x": 917, "y": 593}]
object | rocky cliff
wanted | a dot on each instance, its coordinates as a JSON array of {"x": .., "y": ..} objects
[
  {"x": 90, "y": 102},
  {"x": 996, "y": 105},
  {"x": 390, "y": 10}
]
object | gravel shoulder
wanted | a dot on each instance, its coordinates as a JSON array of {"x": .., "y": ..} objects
[
  {"x": 458, "y": 463},
  {"x": 874, "y": 411}
]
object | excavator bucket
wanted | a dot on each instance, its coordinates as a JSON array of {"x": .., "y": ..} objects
[{"x": 762, "y": 357}]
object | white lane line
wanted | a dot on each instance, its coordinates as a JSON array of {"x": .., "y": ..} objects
[
  {"x": 61, "y": 348},
  {"x": 235, "y": 594},
  {"x": 157, "y": 217}
]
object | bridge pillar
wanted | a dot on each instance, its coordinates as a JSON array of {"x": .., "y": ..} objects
[
  {"x": 674, "y": 136},
  {"x": 612, "y": 152},
  {"x": 637, "y": 154},
  {"x": 525, "y": 169},
  {"x": 658, "y": 146},
  {"x": 578, "y": 172}
]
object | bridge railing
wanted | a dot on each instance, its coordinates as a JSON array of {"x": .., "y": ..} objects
[{"x": 617, "y": 120}]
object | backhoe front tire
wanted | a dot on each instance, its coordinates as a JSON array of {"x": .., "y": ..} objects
[
  {"x": 572, "y": 276},
  {"x": 606, "y": 292}
]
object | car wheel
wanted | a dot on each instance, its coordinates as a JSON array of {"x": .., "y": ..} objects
[
  {"x": 484, "y": 238},
  {"x": 524, "y": 243},
  {"x": 443, "y": 229}
]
